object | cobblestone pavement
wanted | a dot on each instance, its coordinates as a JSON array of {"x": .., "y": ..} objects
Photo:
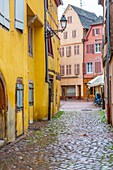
[{"x": 78, "y": 140}]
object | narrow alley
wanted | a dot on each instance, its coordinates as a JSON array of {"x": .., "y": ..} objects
[{"x": 78, "y": 139}]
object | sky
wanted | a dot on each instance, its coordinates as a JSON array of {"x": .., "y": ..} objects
[{"x": 89, "y": 5}]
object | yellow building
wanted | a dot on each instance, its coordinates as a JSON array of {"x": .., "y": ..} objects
[
  {"x": 53, "y": 56},
  {"x": 24, "y": 91}
]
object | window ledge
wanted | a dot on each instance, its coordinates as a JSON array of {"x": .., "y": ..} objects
[{"x": 30, "y": 54}]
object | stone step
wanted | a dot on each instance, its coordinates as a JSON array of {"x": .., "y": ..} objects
[{"x": 2, "y": 142}]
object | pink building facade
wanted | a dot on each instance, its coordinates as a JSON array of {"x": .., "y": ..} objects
[{"x": 92, "y": 60}]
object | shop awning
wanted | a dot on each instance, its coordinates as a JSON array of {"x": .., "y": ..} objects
[{"x": 97, "y": 81}]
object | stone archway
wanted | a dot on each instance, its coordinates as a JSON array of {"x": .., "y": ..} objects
[{"x": 3, "y": 108}]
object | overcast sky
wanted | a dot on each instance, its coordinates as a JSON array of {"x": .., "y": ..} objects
[{"x": 89, "y": 5}]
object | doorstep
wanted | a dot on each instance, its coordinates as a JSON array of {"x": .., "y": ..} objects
[{"x": 2, "y": 142}]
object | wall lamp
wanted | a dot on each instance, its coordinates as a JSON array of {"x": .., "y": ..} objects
[{"x": 63, "y": 23}]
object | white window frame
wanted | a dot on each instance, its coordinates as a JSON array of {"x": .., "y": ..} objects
[
  {"x": 98, "y": 48},
  {"x": 4, "y": 13},
  {"x": 89, "y": 67},
  {"x": 19, "y": 14}
]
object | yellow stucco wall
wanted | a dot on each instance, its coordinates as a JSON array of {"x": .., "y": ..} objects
[{"x": 15, "y": 62}]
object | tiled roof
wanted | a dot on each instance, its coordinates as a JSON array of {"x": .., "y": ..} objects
[
  {"x": 99, "y": 20},
  {"x": 87, "y": 18}
]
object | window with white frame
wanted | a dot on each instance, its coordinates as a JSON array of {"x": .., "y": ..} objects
[
  {"x": 77, "y": 69},
  {"x": 76, "y": 50},
  {"x": 98, "y": 48},
  {"x": 96, "y": 31},
  {"x": 4, "y": 13},
  {"x": 69, "y": 19},
  {"x": 62, "y": 51},
  {"x": 68, "y": 51},
  {"x": 19, "y": 14},
  {"x": 62, "y": 72},
  {"x": 89, "y": 67},
  {"x": 65, "y": 35},
  {"x": 68, "y": 69},
  {"x": 73, "y": 33}
]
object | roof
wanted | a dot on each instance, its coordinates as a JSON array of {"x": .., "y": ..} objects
[
  {"x": 97, "y": 81},
  {"x": 99, "y": 20},
  {"x": 86, "y": 17}
]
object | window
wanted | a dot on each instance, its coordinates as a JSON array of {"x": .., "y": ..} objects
[
  {"x": 31, "y": 94},
  {"x": 19, "y": 95},
  {"x": 19, "y": 14},
  {"x": 96, "y": 31},
  {"x": 30, "y": 40},
  {"x": 4, "y": 13},
  {"x": 68, "y": 69},
  {"x": 69, "y": 19},
  {"x": 68, "y": 51},
  {"x": 73, "y": 33},
  {"x": 77, "y": 69},
  {"x": 89, "y": 67},
  {"x": 90, "y": 48},
  {"x": 62, "y": 70},
  {"x": 50, "y": 49},
  {"x": 98, "y": 48},
  {"x": 76, "y": 50},
  {"x": 62, "y": 52},
  {"x": 97, "y": 67},
  {"x": 70, "y": 91},
  {"x": 65, "y": 35}
]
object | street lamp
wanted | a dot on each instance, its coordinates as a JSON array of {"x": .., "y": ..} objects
[{"x": 63, "y": 22}]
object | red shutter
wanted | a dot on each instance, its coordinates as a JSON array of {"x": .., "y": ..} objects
[
  {"x": 92, "y": 48},
  {"x": 84, "y": 68},
  {"x": 87, "y": 49},
  {"x": 50, "y": 49},
  {"x": 93, "y": 32},
  {"x": 97, "y": 67}
]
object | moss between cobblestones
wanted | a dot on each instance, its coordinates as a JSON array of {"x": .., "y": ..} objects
[
  {"x": 58, "y": 115},
  {"x": 103, "y": 116}
]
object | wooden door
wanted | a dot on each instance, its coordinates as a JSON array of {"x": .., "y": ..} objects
[{"x": 2, "y": 111}]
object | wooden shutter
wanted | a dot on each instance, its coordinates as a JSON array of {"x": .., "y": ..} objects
[
  {"x": 97, "y": 67},
  {"x": 87, "y": 48},
  {"x": 2, "y": 12},
  {"x": 93, "y": 32},
  {"x": 77, "y": 49},
  {"x": 50, "y": 49},
  {"x": 69, "y": 69},
  {"x": 19, "y": 14},
  {"x": 6, "y": 14},
  {"x": 92, "y": 48},
  {"x": 78, "y": 68},
  {"x": 84, "y": 68}
]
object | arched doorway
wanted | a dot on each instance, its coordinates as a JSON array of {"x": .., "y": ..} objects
[{"x": 3, "y": 108}]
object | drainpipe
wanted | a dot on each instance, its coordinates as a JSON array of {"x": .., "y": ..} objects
[
  {"x": 107, "y": 62},
  {"x": 46, "y": 59}
]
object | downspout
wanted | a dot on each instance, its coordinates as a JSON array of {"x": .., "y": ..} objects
[
  {"x": 46, "y": 59},
  {"x": 107, "y": 62}
]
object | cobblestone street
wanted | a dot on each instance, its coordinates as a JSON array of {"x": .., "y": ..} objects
[{"x": 78, "y": 140}]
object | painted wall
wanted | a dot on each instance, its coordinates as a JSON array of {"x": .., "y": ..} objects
[
  {"x": 15, "y": 62},
  {"x": 95, "y": 57},
  {"x": 68, "y": 80}
]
